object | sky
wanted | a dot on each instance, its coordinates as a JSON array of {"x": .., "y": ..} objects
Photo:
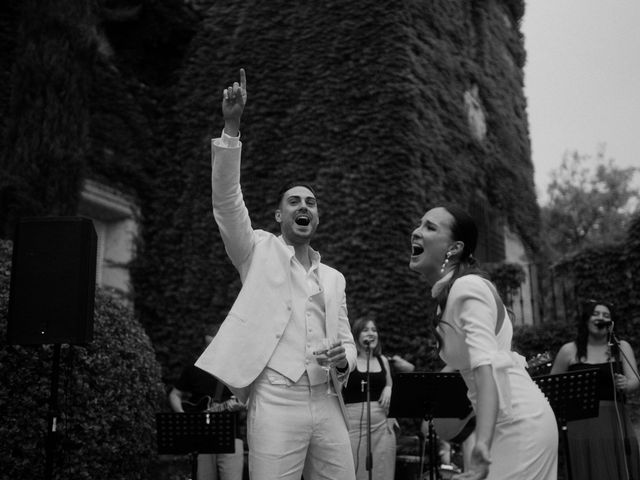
[{"x": 582, "y": 81}]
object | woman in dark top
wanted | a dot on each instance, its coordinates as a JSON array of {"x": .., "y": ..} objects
[
  {"x": 383, "y": 440},
  {"x": 605, "y": 447}
]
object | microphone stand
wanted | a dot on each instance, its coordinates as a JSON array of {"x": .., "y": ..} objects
[
  {"x": 616, "y": 351},
  {"x": 369, "y": 461},
  {"x": 615, "y": 340}
]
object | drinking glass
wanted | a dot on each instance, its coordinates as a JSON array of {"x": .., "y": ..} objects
[{"x": 323, "y": 360}]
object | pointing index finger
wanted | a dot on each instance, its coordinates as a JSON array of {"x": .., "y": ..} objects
[{"x": 243, "y": 80}]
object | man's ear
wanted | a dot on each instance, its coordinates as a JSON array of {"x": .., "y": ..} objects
[{"x": 278, "y": 216}]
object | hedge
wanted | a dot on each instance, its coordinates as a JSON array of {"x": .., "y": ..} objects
[{"x": 110, "y": 390}]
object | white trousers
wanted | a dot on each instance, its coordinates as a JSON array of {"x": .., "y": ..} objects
[
  {"x": 296, "y": 429},
  {"x": 222, "y": 466}
]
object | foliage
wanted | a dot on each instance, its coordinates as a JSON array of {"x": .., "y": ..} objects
[
  {"x": 327, "y": 121},
  {"x": 588, "y": 206},
  {"x": 47, "y": 115},
  {"x": 110, "y": 391},
  {"x": 632, "y": 259},
  {"x": 325, "y": 78},
  {"x": 607, "y": 272},
  {"x": 530, "y": 340},
  {"x": 507, "y": 277}
]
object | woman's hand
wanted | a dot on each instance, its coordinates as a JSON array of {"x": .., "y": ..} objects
[
  {"x": 478, "y": 465},
  {"x": 622, "y": 382},
  {"x": 235, "y": 405},
  {"x": 385, "y": 398}
]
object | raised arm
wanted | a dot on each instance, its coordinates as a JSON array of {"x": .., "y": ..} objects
[{"x": 229, "y": 209}]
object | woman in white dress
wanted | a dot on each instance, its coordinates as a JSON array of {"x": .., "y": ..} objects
[{"x": 516, "y": 431}]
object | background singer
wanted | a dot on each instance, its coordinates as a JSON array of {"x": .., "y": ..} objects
[
  {"x": 604, "y": 447},
  {"x": 383, "y": 439}
]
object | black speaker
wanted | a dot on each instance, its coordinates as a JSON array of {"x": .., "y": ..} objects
[{"x": 53, "y": 281}]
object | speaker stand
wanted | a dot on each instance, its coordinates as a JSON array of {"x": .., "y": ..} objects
[{"x": 52, "y": 417}]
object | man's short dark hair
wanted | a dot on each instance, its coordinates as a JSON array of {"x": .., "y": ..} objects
[{"x": 289, "y": 186}]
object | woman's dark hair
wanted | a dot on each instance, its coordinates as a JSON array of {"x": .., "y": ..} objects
[
  {"x": 586, "y": 311},
  {"x": 463, "y": 229},
  {"x": 357, "y": 328}
]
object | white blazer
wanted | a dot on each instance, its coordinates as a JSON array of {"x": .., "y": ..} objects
[{"x": 250, "y": 333}]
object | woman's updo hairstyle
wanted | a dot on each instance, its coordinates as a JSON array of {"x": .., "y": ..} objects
[{"x": 463, "y": 229}]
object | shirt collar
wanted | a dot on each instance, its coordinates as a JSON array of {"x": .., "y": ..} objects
[
  {"x": 314, "y": 255},
  {"x": 440, "y": 284}
]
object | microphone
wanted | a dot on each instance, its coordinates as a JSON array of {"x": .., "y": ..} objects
[{"x": 367, "y": 343}]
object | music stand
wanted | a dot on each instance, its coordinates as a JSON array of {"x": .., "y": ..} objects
[
  {"x": 429, "y": 395},
  {"x": 195, "y": 433},
  {"x": 572, "y": 396}
]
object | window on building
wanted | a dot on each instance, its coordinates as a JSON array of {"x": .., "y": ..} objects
[{"x": 114, "y": 217}]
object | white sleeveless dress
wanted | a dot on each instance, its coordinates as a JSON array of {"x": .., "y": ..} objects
[{"x": 525, "y": 443}]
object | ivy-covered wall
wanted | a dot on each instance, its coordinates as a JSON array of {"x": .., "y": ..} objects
[
  {"x": 45, "y": 107},
  {"x": 364, "y": 100}
]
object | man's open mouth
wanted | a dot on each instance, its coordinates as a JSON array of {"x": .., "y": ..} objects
[{"x": 303, "y": 220}]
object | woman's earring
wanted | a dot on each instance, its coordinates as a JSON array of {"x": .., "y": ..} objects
[{"x": 446, "y": 261}]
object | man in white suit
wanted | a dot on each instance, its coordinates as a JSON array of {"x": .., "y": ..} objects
[{"x": 289, "y": 304}]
